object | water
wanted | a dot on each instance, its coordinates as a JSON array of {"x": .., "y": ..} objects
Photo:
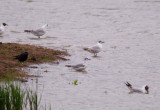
[{"x": 130, "y": 30}]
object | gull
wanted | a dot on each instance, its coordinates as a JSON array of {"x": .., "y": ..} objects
[
  {"x": 22, "y": 57},
  {"x": 95, "y": 49},
  {"x": 2, "y": 28},
  {"x": 144, "y": 89},
  {"x": 38, "y": 32},
  {"x": 78, "y": 67}
]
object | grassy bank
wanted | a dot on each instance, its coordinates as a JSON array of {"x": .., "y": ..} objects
[{"x": 10, "y": 68}]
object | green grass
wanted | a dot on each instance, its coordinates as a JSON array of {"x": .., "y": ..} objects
[
  {"x": 12, "y": 97},
  {"x": 46, "y": 59},
  {"x": 75, "y": 82},
  {"x": 3, "y": 52}
]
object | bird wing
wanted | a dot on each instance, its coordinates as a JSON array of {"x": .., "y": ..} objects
[
  {"x": 137, "y": 90},
  {"x": 78, "y": 65},
  {"x": 45, "y": 25},
  {"x": 38, "y": 32},
  {"x": 96, "y": 47},
  {"x": 16, "y": 57},
  {"x": 1, "y": 30}
]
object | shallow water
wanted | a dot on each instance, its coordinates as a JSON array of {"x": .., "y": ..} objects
[{"x": 130, "y": 30}]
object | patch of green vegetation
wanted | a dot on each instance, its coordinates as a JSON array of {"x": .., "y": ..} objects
[
  {"x": 3, "y": 52},
  {"x": 12, "y": 97},
  {"x": 46, "y": 60},
  {"x": 10, "y": 77},
  {"x": 29, "y": 0},
  {"x": 75, "y": 82}
]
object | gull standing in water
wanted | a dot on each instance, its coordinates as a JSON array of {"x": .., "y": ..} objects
[
  {"x": 95, "y": 49},
  {"x": 2, "y": 28},
  {"x": 144, "y": 89},
  {"x": 38, "y": 32}
]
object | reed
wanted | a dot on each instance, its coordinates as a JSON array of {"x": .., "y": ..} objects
[{"x": 13, "y": 97}]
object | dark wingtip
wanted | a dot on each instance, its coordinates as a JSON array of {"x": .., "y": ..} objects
[
  {"x": 87, "y": 58},
  {"x": 128, "y": 84},
  {"x": 27, "y": 31},
  {"x": 68, "y": 65},
  {"x": 101, "y": 41},
  {"x": 85, "y": 48}
]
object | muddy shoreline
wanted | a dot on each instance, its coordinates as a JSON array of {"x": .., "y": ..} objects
[{"x": 10, "y": 69}]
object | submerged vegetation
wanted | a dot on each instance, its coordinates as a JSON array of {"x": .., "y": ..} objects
[
  {"x": 13, "y": 97},
  {"x": 10, "y": 68}
]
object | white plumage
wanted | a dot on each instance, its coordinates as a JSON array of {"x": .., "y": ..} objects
[
  {"x": 2, "y": 28},
  {"x": 95, "y": 49},
  {"x": 38, "y": 32},
  {"x": 144, "y": 89}
]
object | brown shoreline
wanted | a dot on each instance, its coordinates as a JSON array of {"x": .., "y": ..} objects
[{"x": 10, "y": 69}]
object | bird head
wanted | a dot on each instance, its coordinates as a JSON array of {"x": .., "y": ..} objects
[
  {"x": 87, "y": 58},
  {"x": 26, "y": 52},
  {"x": 4, "y": 24},
  {"x": 145, "y": 89},
  {"x": 101, "y": 42}
]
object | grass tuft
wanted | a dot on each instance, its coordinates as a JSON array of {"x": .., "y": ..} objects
[
  {"x": 12, "y": 97},
  {"x": 75, "y": 82}
]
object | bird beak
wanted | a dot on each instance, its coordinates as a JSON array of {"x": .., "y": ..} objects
[{"x": 102, "y": 42}]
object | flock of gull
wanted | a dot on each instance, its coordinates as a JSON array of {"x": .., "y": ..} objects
[{"x": 78, "y": 67}]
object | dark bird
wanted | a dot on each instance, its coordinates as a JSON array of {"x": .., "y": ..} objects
[{"x": 22, "y": 57}]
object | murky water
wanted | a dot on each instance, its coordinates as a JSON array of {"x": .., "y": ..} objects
[{"x": 130, "y": 30}]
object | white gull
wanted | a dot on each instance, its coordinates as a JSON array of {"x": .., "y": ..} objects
[
  {"x": 144, "y": 89},
  {"x": 38, "y": 32},
  {"x": 2, "y": 28},
  {"x": 95, "y": 49}
]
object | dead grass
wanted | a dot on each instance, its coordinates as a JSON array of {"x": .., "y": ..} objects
[{"x": 10, "y": 68}]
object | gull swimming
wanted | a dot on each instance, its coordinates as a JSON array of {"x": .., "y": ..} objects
[
  {"x": 2, "y": 28},
  {"x": 78, "y": 67},
  {"x": 38, "y": 32},
  {"x": 144, "y": 89},
  {"x": 95, "y": 49}
]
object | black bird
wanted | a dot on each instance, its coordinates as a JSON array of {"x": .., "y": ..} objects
[{"x": 22, "y": 57}]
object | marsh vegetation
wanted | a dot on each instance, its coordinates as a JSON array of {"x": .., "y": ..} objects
[{"x": 14, "y": 97}]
